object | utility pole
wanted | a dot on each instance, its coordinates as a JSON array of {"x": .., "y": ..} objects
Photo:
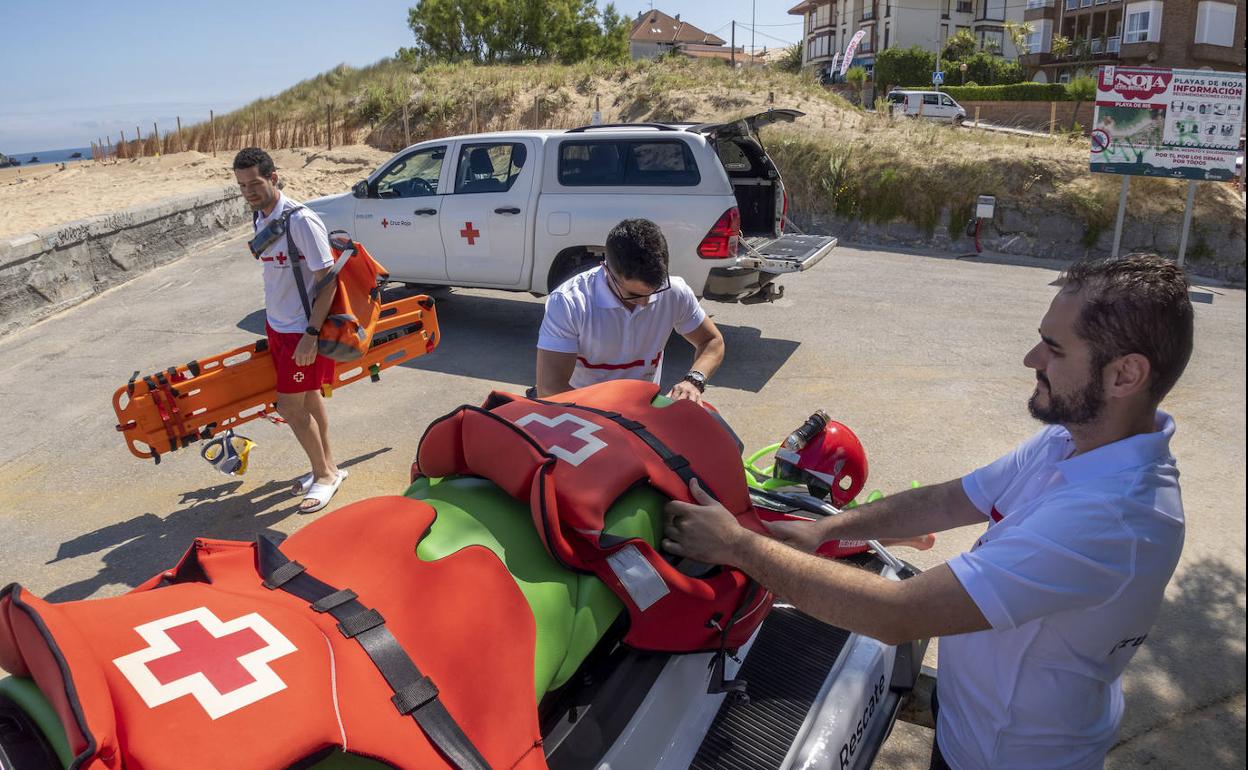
[
  {"x": 753, "y": 3},
  {"x": 733, "y": 44}
]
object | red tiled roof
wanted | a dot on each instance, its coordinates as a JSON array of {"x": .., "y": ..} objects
[{"x": 658, "y": 27}]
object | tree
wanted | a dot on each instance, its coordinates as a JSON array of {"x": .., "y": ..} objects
[
  {"x": 1080, "y": 90},
  {"x": 904, "y": 67},
  {"x": 507, "y": 31},
  {"x": 987, "y": 69},
  {"x": 857, "y": 77},
  {"x": 959, "y": 47},
  {"x": 1019, "y": 35},
  {"x": 791, "y": 61}
]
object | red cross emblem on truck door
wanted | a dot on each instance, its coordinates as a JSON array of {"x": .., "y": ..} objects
[
  {"x": 470, "y": 233},
  {"x": 223, "y": 665},
  {"x": 565, "y": 436}
]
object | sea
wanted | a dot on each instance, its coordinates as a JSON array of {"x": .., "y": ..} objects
[{"x": 50, "y": 156}]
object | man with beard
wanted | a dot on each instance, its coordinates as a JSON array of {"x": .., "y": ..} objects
[{"x": 1085, "y": 527}]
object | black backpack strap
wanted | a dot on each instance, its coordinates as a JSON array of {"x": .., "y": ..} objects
[
  {"x": 295, "y": 257},
  {"x": 415, "y": 694}
]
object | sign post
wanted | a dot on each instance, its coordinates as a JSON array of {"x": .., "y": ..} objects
[
  {"x": 938, "y": 78},
  {"x": 1176, "y": 124},
  {"x": 1187, "y": 220}
]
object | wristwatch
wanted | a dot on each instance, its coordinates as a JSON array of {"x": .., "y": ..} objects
[
  {"x": 698, "y": 379},
  {"x": 312, "y": 330}
]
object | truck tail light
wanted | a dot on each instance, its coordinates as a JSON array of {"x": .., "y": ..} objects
[{"x": 722, "y": 240}]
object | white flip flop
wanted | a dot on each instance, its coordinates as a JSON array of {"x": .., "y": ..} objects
[
  {"x": 305, "y": 482},
  {"x": 322, "y": 494}
]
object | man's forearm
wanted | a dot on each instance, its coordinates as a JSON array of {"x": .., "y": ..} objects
[
  {"x": 838, "y": 594},
  {"x": 320, "y": 307},
  {"x": 906, "y": 514},
  {"x": 708, "y": 356}
]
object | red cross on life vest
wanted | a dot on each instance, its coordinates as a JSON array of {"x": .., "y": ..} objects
[
  {"x": 565, "y": 436},
  {"x": 224, "y": 665},
  {"x": 470, "y": 233},
  {"x": 201, "y": 652}
]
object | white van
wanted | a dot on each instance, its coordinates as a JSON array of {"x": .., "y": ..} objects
[{"x": 933, "y": 105}]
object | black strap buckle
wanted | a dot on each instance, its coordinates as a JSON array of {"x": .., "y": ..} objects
[
  {"x": 415, "y": 695},
  {"x": 360, "y": 622},
  {"x": 334, "y": 600},
  {"x": 283, "y": 575}
]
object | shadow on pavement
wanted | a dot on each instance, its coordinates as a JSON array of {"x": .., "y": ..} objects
[
  {"x": 253, "y": 322},
  {"x": 495, "y": 338},
  {"x": 146, "y": 544},
  {"x": 1191, "y": 663}
]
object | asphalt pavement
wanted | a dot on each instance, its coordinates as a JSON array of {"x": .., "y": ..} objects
[{"x": 920, "y": 355}]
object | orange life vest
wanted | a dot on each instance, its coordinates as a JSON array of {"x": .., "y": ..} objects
[
  {"x": 572, "y": 457},
  {"x": 205, "y": 666}
]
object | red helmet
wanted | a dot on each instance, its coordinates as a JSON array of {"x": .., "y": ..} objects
[{"x": 832, "y": 463}]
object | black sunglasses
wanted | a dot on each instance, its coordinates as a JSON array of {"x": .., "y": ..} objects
[{"x": 628, "y": 296}]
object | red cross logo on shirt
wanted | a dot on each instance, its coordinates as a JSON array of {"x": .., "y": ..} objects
[
  {"x": 470, "y": 233},
  {"x": 565, "y": 436},
  {"x": 223, "y": 665},
  {"x": 281, "y": 258},
  {"x": 384, "y": 223}
]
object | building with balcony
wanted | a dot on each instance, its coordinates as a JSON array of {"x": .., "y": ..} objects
[
  {"x": 1072, "y": 37},
  {"x": 829, "y": 25}
]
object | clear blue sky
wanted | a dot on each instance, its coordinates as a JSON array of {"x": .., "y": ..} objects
[{"x": 74, "y": 71}]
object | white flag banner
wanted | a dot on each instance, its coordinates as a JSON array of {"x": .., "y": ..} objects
[{"x": 851, "y": 49}]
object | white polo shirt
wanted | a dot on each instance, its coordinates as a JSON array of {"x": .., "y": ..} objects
[
  {"x": 282, "y": 306},
  {"x": 583, "y": 316},
  {"x": 1070, "y": 574}
]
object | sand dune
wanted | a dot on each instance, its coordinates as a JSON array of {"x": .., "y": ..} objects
[{"x": 39, "y": 197}]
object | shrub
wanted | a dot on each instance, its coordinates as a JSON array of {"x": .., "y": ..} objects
[
  {"x": 898, "y": 67},
  {"x": 1015, "y": 92}
]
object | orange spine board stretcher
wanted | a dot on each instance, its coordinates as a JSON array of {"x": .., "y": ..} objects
[{"x": 172, "y": 408}]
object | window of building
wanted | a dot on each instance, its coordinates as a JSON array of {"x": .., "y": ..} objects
[
  {"x": 1041, "y": 36},
  {"x": 993, "y": 10},
  {"x": 886, "y": 31},
  {"x": 944, "y": 34},
  {"x": 1143, "y": 22},
  {"x": 992, "y": 40},
  {"x": 823, "y": 15},
  {"x": 1215, "y": 23}
]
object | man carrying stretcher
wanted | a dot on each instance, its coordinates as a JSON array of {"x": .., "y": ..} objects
[{"x": 292, "y": 329}]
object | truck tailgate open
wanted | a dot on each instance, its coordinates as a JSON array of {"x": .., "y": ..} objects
[{"x": 786, "y": 254}]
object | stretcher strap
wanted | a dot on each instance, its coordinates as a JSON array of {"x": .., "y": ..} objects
[{"x": 414, "y": 693}]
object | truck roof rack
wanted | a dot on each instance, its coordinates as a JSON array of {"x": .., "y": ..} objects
[{"x": 656, "y": 126}]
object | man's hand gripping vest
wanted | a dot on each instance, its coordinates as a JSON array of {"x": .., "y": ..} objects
[{"x": 574, "y": 456}]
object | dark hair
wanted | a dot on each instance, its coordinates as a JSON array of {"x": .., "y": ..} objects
[
  {"x": 251, "y": 157},
  {"x": 1135, "y": 304},
  {"x": 637, "y": 249}
]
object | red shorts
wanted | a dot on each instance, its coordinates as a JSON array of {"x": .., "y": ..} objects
[{"x": 291, "y": 378}]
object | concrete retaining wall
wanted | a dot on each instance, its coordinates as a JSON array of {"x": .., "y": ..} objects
[{"x": 48, "y": 271}]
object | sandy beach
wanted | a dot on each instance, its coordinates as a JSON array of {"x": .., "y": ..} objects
[{"x": 43, "y": 196}]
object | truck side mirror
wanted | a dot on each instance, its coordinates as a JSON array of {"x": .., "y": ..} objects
[{"x": 360, "y": 189}]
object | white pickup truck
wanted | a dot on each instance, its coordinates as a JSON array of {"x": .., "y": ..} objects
[{"x": 526, "y": 210}]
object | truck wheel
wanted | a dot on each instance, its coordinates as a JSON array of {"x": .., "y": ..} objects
[{"x": 569, "y": 263}]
